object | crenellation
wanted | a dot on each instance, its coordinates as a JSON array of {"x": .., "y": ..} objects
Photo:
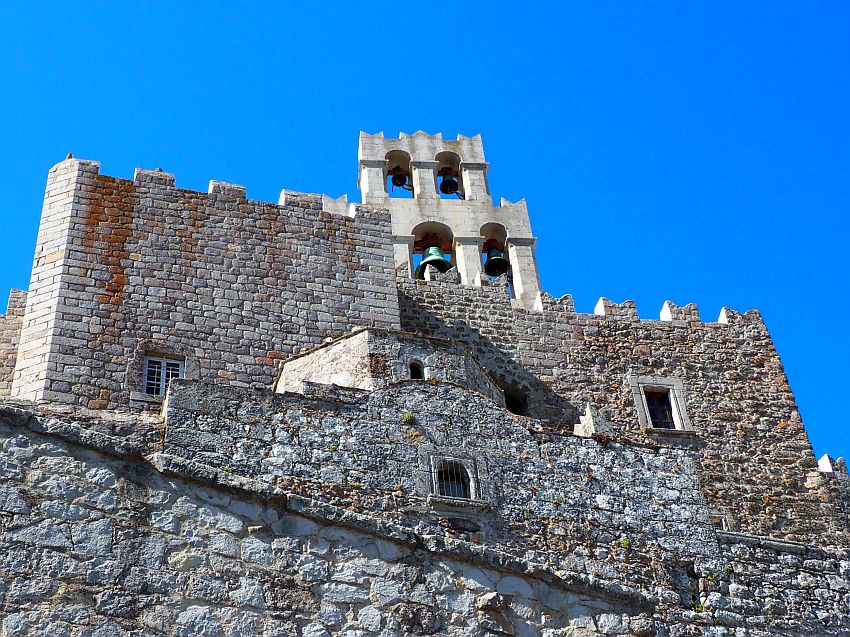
[
  {"x": 227, "y": 416},
  {"x": 338, "y": 206},
  {"x": 672, "y": 312},
  {"x": 625, "y": 310},
  {"x": 157, "y": 177},
  {"x": 222, "y": 188}
]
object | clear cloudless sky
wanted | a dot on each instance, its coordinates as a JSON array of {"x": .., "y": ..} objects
[{"x": 693, "y": 151}]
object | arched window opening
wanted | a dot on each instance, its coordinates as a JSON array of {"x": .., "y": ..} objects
[
  {"x": 399, "y": 183},
  {"x": 494, "y": 250},
  {"x": 516, "y": 400},
  {"x": 417, "y": 370},
  {"x": 453, "y": 480},
  {"x": 433, "y": 245},
  {"x": 449, "y": 176}
]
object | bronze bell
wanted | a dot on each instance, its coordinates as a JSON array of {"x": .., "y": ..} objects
[
  {"x": 399, "y": 179},
  {"x": 448, "y": 186},
  {"x": 496, "y": 264},
  {"x": 432, "y": 256}
]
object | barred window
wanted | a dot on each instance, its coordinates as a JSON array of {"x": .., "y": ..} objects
[
  {"x": 452, "y": 480},
  {"x": 159, "y": 372}
]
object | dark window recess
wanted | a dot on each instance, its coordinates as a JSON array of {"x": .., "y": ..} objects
[
  {"x": 453, "y": 480},
  {"x": 660, "y": 409},
  {"x": 417, "y": 371},
  {"x": 516, "y": 401}
]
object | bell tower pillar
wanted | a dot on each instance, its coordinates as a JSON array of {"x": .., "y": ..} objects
[{"x": 468, "y": 259}]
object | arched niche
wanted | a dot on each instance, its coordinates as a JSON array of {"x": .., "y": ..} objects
[
  {"x": 399, "y": 176},
  {"x": 494, "y": 252},
  {"x": 449, "y": 177},
  {"x": 432, "y": 234}
]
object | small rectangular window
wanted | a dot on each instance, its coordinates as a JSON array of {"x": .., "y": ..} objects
[
  {"x": 660, "y": 402},
  {"x": 660, "y": 409},
  {"x": 159, "y": 372}
]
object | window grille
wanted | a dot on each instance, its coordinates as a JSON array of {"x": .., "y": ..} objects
[
  {"x": 453, "y": 480},
  {"x": 660, "y": 409},
  {"x": 159, "y": 372}
]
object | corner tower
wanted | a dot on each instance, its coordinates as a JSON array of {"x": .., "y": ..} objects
[{"x": 437, "y": 195}]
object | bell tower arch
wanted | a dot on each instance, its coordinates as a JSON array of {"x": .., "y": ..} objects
[{"x": 446, "y": 186}]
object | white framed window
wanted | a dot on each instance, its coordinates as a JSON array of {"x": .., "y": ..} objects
[
  {"x": 660, "y": 402},
  {"x": 158, "y": 372}
]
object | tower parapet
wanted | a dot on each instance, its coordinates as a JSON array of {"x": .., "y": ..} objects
[{"x": 437, "y": 193}]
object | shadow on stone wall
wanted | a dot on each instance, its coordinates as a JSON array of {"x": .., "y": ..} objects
[{"x": 525, "y": 393}]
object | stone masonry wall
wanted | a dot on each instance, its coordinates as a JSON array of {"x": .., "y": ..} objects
[
  {"x": 369, "y": 359},
  {"x": 103, "y": 536},
  {"x": 10, "y": 331},
  {"x": 608, "y": 512},
  {"x": 96, "y": 543},
  {"x": 774, "y": 584},
  {"x": 37, "y": 347},
  {"x": 758, "y": 469},
  {"x": 230, "y": 285}
]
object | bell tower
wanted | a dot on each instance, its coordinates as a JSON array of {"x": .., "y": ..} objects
[{"x": 437, "y": 194}]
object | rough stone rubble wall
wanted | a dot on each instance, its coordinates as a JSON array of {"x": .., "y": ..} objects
[
  {"x": 96, "y": 541},
  {"x": 770, "y": 581},
  {"x": 10, "y": 331},
  {"x": 758, "y": 468},
  {"x": 95, "y": 544},
  {"x": 231, "y": 285},
  {"x": 371, "y": 359},
  {"x": 612, "y": 512}
]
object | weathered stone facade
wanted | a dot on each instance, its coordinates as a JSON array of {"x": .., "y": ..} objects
[
  {"x": 294, "y": 481},
  {"x": 127, "y": 267},
  {"x": 758, "y": 468},
  {"x": 10, "y": 330}
]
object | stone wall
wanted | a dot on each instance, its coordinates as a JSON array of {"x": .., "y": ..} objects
[
  {"x": 10, "y": 331},
  {"x": 608, "y": 511},
  {"x": 230, "y": 285},
  {"x": 103, "y": 536},
  {"x": 758, "y": 468},
  {"x": 98, "y": 544},
  {"x": 370, "y": 359},
  {"x": 780, "y": 586}
]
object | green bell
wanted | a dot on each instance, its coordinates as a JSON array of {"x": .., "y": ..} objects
[
  {"x": 432, "y": 256},
  {"x": 496, "y": 264}
]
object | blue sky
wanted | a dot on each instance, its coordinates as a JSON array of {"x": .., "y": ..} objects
[{"x": 698, "y": 152}]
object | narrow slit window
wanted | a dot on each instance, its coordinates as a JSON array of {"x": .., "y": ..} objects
[
  {"x": 660, "y": 409},
  {"x": 453, "y": 480},
  {"x": 417, "y": 370},
  {"x": 159, "y": 372}
]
